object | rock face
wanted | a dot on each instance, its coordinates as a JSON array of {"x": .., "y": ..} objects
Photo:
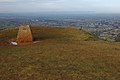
[{"x": 24, "y": 35}]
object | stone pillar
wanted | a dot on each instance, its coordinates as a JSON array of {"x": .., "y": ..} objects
[{"x": 24, "y": 35}]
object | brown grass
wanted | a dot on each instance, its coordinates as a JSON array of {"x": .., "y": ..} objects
[{"x": 61, "y": 54}]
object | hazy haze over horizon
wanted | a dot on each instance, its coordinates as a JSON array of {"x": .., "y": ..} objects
[{"x": 94, "y": 6}]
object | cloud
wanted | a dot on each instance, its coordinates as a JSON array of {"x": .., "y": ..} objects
[
  {"x": 27, "y": 5},
  {"x": 23, "y": 1},
  {"x": 59, "y": 5},
  {"x": 26, "y": 2},
  {"x": 7, "y": 1}
]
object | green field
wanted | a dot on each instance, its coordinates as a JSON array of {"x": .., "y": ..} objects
[{"x": 59, "y": 54}]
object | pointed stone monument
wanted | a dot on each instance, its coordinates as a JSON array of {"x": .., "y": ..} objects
[{"x": 24, "y": 35}]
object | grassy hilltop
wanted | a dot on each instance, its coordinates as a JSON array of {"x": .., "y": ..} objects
[{"x": 59, "y": 54}]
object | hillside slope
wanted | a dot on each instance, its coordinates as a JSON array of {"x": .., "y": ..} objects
[{"x": 60, "y": 54}]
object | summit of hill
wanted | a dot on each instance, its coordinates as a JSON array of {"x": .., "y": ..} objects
[{"x": 58, "y": 54}]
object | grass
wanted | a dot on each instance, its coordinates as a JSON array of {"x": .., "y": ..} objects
[{"x": 61, "y": 54}]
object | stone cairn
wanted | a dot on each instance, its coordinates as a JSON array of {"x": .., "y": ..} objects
[{"x": 24, "y": 35}]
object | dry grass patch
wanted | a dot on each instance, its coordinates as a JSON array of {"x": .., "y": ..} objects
[{"x": 61, "y": 54}]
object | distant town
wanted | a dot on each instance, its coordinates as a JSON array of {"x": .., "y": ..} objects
[{"x": 106, "y": 27}]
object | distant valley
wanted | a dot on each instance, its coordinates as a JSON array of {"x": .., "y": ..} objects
[{"x": 106, "y": 27}]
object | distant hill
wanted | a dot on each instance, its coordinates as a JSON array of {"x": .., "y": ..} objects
[
  {"x": 58, "y": 54},
  {"x": 7, "y": 23}
]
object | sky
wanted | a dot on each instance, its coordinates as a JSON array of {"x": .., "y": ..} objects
[{"x": 23, "y": 6}]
